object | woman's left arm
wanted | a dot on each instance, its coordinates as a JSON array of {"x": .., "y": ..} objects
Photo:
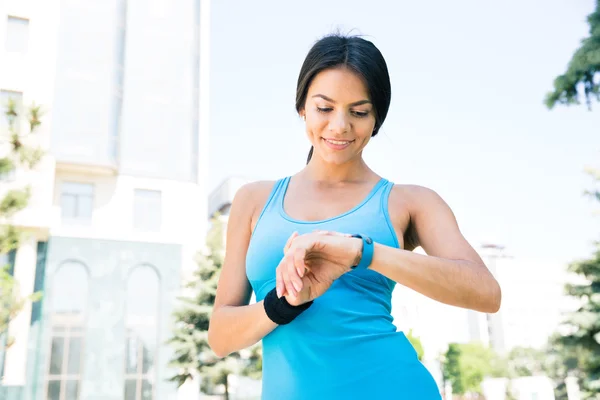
[{"x": 452, "y": 272}]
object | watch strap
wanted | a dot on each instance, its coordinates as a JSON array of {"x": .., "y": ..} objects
[{"x": 367, "y": 252}]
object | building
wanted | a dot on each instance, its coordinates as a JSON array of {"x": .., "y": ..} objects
[{"x": 118, "y": 205}]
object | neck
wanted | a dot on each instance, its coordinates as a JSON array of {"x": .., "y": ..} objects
[{"x": 353, "y": 171}]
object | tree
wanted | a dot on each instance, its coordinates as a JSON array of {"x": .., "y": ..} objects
[
  {"x": 561, "y": 362},
  {"x": 18, "y": 152},
  {"x": 581, "y": 71},
  {"x": 579, "y": 353},
  {"x": 466, "y": 365},
  {"x": 451, "y": 371},
  {"x": 190, "y": 336},
  {"x": 416, "y": 343},
  {"x": 575, "y": 351},
  {"x": 584, "y": 324}
]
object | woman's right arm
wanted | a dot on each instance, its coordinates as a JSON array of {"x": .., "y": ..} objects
[{"x": 235, "y": 325}]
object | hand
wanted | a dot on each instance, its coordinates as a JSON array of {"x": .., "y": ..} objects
[{"x": 312, "y": 262}]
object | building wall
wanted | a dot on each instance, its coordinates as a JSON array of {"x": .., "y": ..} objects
[
  {"x": 124, "y": 89},
  {"x": 83, "y": 109},
  {"x": 107, "y": 266},
  {"x": 182, "y": 219},
  {"x": 31, "y": 74},
  {"x": 159, "y": 91},
  {"x": 27, "y": 71}
]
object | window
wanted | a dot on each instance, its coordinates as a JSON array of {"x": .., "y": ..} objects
[
  {"x": 147, "y": 210},
  {"x": 67, "y": 320},
  {"x": 8, "y": 260},
  {"x": 141, "y": 342},
  {"x": 7, "y": 96},
  {"x": 77, "y": 201},
  {"x": 17, "y": 35}
]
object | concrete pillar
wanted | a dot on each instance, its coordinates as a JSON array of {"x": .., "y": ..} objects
[{"x": 15, "y": 364}]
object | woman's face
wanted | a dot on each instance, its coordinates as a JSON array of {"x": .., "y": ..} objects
[{"x": 339, "y": 115}]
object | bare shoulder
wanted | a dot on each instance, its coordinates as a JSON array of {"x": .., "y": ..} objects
[
  {"x": 255, "y": 190},
  {"x": 414, "y": 197},
  {"x": 252, "y": 198},
  {"x": 405, "y": 206}
]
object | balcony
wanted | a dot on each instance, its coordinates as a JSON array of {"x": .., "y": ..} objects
[
  {"x": 85, "y": 154},
  {"x": 86, "y": 168}
]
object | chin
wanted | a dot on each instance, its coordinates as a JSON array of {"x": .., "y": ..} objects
[{"x": 337, "y": 159}]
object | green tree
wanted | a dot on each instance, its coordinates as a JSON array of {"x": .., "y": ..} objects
[
  {"x": 466, "y": 365},
  {"x": 578, "y": 351},
  {"x": 580, "y": 75},
  {"x": 416, "y": 343},
  {"x": 451, "y": 370},
  {"x": 584, "y": 323},
  {"x": 190, "y": 336},
  {"x": 562, "y": 361},
  {"x": 17, "y": 152}
]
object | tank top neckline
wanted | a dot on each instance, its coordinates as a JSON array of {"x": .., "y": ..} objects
[{"x": 284, "y": 214}]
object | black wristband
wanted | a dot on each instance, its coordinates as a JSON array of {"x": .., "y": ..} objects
[{"x": 280, "y": 311}]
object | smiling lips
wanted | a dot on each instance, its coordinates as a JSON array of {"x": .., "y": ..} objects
[{"x": 337, "y": 144}]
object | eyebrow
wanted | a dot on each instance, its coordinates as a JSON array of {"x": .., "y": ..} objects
[{"x": 356, "y": 103}]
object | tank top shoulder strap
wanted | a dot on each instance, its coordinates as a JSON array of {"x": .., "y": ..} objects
[
  {"x": 275, "y": 197},
  {"x": 377, "y": 199},
  {"x": 385, "y": 195},
  {"x": 384, "y": 209}
]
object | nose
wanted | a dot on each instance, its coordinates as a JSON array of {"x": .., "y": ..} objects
[{"x": 339, "y": 123}]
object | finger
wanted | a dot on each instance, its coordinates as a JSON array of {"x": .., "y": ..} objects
[
  {"x": 298, "y": 261},
  {"x": 289, "y": 242},
  {"x": 332, "y": 233},
  {"x": 295, "y": 277},
  {"x": 289, "y": 287},
  {"x": 278, "y": 282}
]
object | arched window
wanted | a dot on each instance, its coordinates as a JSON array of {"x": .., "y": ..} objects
[
  {"x": 141, "y": 342},
  {"x": 68, "y": 305}
]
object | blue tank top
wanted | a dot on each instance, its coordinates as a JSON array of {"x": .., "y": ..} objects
[{"x": 345, "y": 346}]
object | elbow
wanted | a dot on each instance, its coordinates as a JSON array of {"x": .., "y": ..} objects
[
  {"x": 215, "y": 344},
  {"x": 493, "y": 298}
]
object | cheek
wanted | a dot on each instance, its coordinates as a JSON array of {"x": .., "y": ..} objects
[
  {"x": 365, "y": 128},
  {"x": 317, "y": 124}
]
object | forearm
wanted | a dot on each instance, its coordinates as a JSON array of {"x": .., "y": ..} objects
[
  {"x": 235, "y": 328},
  {"x": 459, "y": 283}
]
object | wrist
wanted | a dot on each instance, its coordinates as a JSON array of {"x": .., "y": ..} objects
[
  {"x": 280, "y": 311},
  {"x": 356, "y": 252},
  {"x": 366, "y": 252}
]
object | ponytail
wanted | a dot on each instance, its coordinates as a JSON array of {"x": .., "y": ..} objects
[{"x": 310, "y": 153}]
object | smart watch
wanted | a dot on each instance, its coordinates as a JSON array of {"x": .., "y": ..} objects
[{"x": 367, "y": 252}]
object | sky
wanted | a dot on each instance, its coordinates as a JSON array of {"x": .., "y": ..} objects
[{"x": 467, "y": 117}]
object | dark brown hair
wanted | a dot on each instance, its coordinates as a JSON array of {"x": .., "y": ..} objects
[{"x": 358, "y": 55}]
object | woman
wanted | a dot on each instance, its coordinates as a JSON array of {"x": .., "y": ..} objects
[{"x": 323, "y": 249}]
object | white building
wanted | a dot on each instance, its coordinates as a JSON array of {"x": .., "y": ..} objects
[{"x": 118, "y": 205}]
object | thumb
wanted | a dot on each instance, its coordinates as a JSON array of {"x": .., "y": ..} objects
[{"x": 289, "y": 242}]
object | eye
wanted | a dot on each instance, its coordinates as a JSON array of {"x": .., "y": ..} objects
[
  {"x": 360, "y": 114},
  {"x": 323, "y": 109}
]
